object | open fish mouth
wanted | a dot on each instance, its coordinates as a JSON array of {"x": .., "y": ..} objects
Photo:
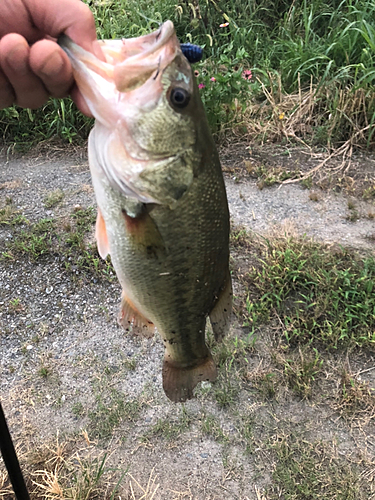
[
  {"x": 162, "y": 207},
  {"x": 129, "y": 62},
  {"x": 122, "y": 93}
]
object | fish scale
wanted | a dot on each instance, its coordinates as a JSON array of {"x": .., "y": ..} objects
[{"x": 162, "y": 207}]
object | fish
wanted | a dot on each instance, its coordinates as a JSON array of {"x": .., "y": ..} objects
[{"x": 162, "y": 207}]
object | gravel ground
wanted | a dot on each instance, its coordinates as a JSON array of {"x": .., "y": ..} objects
[{"x": 66, "y": 326}]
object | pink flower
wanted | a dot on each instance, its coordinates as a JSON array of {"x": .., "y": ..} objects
[
  {"x": 201, "y": 85},
  {"x": 224, "y": 25},
  {"x": 213, "y": 79},
  {"x": 247, "y": 74}
]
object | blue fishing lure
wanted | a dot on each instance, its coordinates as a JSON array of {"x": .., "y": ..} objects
[{"x": 193, "y": 53}]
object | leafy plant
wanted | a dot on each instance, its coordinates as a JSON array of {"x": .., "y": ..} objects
[
  {"x": 319, "y": 295},
  {"x": 324, "y": 48}
]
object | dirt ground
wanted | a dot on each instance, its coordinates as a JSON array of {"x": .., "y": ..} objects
[{"x": 70, "y": 375}]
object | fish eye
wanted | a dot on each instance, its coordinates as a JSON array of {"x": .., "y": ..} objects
[{"x": 179, "y": 97}]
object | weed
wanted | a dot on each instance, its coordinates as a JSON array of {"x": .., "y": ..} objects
[
  {"x": 353, "y": 212},
  {"x": 53, "y": 198},
  {"x": 313, "y": 196},
  {"x": 233, "y": 351},
  {"x": 273, "y": 175},
  {"x": 44, "y": 371},
  {"x": 33, "y": 245},
  {"x": 247, "y": 423},
  {"x": 265, "y": 382},
  {"x": 369, "y": 193},
  {"x": 240, "y": 238},
  {"x": 130, "y": 363},
  {"x": 46, "y": 238},
  {"x": 300, "y": 371},
  {"x": 306, "y": 70},
  {"x": 226, "y": 389},
  {"x": 211, "y": 427},
  {"x": 170, "y": 428},
  {"x": 110, "y": 411},
  {"x": 307, "y": 183},
  {"x": 78, "y": 409},
  {"x": 11, "y": 217},
  {"x": 15, "y": 306},
  {"x": 57, "y": 472},
  {"x": 355, "y": 398},
  {"x": 307, "y": 470},
  {"x": 352, "y": 216},
  {"x": 316, "y": 294},
  {"x": 351, "y": 205}
]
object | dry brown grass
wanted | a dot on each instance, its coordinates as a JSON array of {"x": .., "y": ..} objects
[{"x": 296, "y": 117}]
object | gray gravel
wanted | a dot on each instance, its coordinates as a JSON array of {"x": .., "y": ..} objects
[
  {"x": 289, "y": 205},
  {"x": 68, "y": 325}
]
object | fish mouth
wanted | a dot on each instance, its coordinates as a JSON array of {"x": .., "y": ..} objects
[
  {"x": 129, "y": 62},
  {"x": 121, "y": 93}
]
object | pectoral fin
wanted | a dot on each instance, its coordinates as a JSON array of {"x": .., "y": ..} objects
[
  {"x": 101, "y": 236},
  {"x": 144, "y": 234},
  {"x": 221, "y": 313},
  {"x": 130, "y": 316}
]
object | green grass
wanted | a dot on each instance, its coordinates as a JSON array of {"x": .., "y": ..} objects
[
  {"x": 10, "y": 216},
  {"x": 48, "y": 238},
  {"x": 211, "y": 427},
  {"x": 300, "y": 370},
  {"x": 170, "y": 428},
  {"x": 57, "y": 470},
  {"x": 53, "y": 198},
  {"x": 111, "y": 409},
  {"x": 325, "y": 48},
  {"x": 313, "y": 471},
  {"x": 316, "y": 294}
]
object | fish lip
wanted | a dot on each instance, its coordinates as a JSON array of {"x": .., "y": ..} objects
[
  {"x": 77, "y": 54},
  {"x": 161, "y": 36},
  {"x": 143, "y": 50}
]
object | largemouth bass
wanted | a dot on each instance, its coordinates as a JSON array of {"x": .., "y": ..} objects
[{"x": 162, "y": 206}]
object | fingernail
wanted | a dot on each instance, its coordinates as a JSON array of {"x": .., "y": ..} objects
[
  {"x": 18, "y": 60},
  {"x": 53, "y": 65}
]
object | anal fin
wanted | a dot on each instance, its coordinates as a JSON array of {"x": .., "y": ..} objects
[
  {"x": 221, "y": 313},
  {"x": 101, "y": 236},
  {"x": 179, "y": 382},
  {"x": 130, "y": 316}
]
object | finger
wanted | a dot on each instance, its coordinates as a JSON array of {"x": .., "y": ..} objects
[
  {"x": 80, "y": 101},
  {"x": 7, "y": 96},
  {"x": 14, "y": 61},
  {"x": 50, "y": 63},
  {"x": 72, "y": 17}
]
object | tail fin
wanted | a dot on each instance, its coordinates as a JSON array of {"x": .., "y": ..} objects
[{"x": 179, "y": 383}]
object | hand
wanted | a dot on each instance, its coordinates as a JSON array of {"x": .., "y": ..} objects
[{"x": 29, "y": 74}]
